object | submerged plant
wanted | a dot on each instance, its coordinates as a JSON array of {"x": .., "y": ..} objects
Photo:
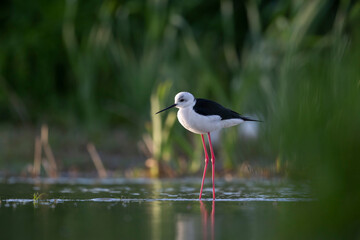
[{"x": 39, "y": 196}]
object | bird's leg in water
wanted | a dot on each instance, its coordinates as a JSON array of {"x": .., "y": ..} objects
[
  {"x": 213, "y": 165},
  {"x": 206, "y": 163}
]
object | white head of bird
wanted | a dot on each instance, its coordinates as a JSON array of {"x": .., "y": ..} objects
[{"x": 182, "y": 100}]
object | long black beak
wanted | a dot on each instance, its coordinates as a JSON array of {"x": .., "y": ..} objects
[{"x": 166, "y": 108}]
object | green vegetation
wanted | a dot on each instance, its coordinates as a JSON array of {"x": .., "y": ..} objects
[{"x": 39, "y": 196}]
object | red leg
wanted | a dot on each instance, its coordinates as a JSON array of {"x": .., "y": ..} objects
[
  {"x": 213, "y": 165},
  {"x": 206, "y": 163}
]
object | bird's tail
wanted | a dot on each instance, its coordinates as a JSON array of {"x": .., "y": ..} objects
[{"x": 249, "y": 119}]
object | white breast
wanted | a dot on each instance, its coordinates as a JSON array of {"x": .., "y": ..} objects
[{"x": 197, "y": 123}]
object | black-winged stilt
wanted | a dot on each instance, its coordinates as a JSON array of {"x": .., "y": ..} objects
[{"x": 203, "y": 116}]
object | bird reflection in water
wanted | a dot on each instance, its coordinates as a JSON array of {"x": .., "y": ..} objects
[{"x": 204, "y": 220}]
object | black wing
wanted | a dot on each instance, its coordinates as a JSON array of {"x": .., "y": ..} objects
[{"x": 208, "y": 107}]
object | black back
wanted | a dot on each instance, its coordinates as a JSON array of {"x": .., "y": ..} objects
[{"x": 207, "y": 107}]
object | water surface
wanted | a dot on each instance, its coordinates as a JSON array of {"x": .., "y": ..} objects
[{"x": 144, "y": 209}]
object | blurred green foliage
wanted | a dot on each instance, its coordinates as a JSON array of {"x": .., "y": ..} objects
[{"x": 96, "y": 62}]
